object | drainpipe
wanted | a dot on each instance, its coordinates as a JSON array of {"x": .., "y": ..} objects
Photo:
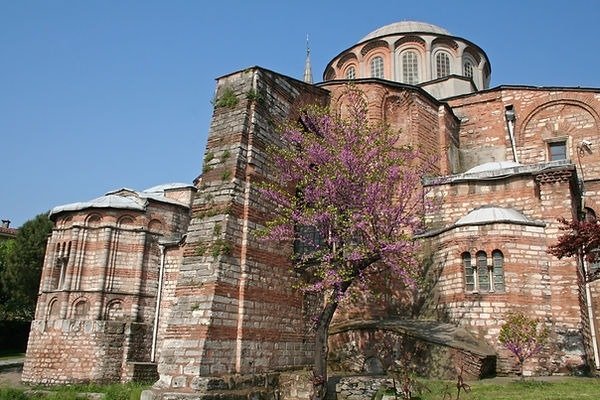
[
  {"x": 510, "y": 115},
  {"x": 588, "y": 299},
  {"x": 158, "y": 299}
]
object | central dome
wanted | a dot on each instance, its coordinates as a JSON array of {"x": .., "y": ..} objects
[{"x": 406, "y": 27}]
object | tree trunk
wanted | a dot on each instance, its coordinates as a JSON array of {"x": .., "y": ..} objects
[{"x": 321, "y": 349}]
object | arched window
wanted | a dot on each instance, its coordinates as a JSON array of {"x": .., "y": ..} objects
[
  {"x": 114, "y": 311},
  {"x": 80, "y": 309},
  {"x": 377, "y": 67},
  {"x": 498, "y": 270},
  {"x": 442, "y": 65},
  {"x": 410, "y": 67},
  {"x": 469, "y": 272},
  {"x": 468, "y": 69},
  {"x": 482, "y": 272},
  {"x": 351, "y": 73}
]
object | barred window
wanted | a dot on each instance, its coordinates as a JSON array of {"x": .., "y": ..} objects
[
  {"x": 377, "y": 67},
  {"x": 468, "y": 69},
  {"x": 469, "y": 272},
  {"x": 480, "y": 275},
  {"x": 482, "y": 272},
  {"x": 410, "y": 67},
  {"x": 351, "y": 73},
  {"x": 442, "y": 63},
  {"x": 498, "y": 270}
]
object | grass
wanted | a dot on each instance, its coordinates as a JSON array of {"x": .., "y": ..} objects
[
  {"x": 563, "y": 388},
  {"x": 128, "y": 391}
]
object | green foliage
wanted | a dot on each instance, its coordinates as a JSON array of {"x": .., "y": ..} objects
[
  {"x": 22, "y": 267},
  {"x": 227, "y": 99},
  {"x": 209, "y": 157},
  {"x": 116, "y": 391},
  {"x": 523, "y": 336},
  {"x": 226, "y": 175},
  {"x": 221, "y": 247},
  {"x": 225, "y": 156},
  {"x": 12, "y": 394},
  {"x": 254, "y": 95}
]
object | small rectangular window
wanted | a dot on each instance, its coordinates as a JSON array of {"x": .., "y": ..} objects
[{"x": 557, "y": 150}]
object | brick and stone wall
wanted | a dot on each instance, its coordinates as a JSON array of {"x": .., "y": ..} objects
[
  {"x": 98, "y": 291},
  {"x": 236, "y": 310}
]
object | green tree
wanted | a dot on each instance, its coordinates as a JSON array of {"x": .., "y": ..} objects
[
  {"x": 523, "y": 336},
  {"x": 21, "y": 267}
]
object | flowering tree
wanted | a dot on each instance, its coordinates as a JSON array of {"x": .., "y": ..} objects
[
  {"x": 579, "y": 236},
  {"x": 523, "y": 336},
  {"x": 349, "y": 196}
]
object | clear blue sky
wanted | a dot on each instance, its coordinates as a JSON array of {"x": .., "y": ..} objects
[{"x": 99, "y": 95}]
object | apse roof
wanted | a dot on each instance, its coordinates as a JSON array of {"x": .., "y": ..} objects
[
  {"x": 492, "y": 214},
  {"x": 406, "y": 27},
  {"x": 124, "y": 198},
  {"x": 166, "y": 186},
  {"x": 493, "y": 166},
  {"x": 107, "y": 201}
]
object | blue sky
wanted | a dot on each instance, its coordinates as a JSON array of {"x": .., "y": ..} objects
[{"x": 99, "y": 95}]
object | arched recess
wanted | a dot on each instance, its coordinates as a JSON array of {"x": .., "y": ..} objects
[
  {"x": 126, "y": 221},
  {"x": 93, "y": 220},
  {"x": 341, "y": 103},
  {"x": 53, "y": 309},
  {"x": 114, "y": 310},
  {"x": 556, "y": 127},
  {"x": 396, "y": 113},
  {"x": 376, "y": 44},
  {"x": 155, "y": 225},
  {"x": 80, "y": 309}
]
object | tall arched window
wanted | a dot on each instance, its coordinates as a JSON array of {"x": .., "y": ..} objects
[
  {"x": 468, "y": 69},
  {"x": 442, "y": 65},
  {"x": 469, "y": 272},
  {"x": 377, "y": 67},
  {"x": 498, "y": 270},
  {"x": 410, "y": 67},
  {"x": 350, "y": 73},
  {"x": 482, "y": 272}
]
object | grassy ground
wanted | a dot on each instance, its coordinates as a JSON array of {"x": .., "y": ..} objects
[
  {"x": 112, "y": 392},
  {"x": 554, "y": 388}
]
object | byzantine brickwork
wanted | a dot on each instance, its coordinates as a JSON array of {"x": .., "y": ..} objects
[
  {"x": 96, "y": 307},
  {"x": 236, "y": 310},
  {"x": 186, "y": 282}
]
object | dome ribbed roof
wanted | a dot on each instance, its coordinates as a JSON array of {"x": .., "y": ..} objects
[{"x": 405, "y": 27}]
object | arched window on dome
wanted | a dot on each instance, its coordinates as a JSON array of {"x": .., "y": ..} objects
[
  {"x": 377, "y": 67},
  {"x": 351, "y": 72},
  {"x": 442, "y": 65},
  {"x": 410, "y": 67},
  {"x": 468, "y": 69}
]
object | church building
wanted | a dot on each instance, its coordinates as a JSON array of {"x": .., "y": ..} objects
[{"x": 172, "y": 284}]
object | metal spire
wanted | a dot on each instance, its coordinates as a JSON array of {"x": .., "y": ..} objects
[{"x": 308, "y": 77}]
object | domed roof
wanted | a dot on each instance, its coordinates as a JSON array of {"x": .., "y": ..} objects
[
  {"x": 492, "y": 214},
  {"x": 493, "y": 166},
  {"x": 405, "y": 27}
]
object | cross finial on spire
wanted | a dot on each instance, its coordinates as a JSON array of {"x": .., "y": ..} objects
[{"x": 308, "y": 77}]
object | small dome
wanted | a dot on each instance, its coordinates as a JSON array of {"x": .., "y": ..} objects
[
  {"x": 406, "y": 27},
  {"x": 167, "y": 186},
  {"x": 485, "y": 215},
  {"x": 493, "y": 166}
]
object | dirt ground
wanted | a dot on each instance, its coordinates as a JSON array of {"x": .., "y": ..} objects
[{"x": 10, "y": 379}]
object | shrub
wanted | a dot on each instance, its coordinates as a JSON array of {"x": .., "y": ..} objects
[{"x": 523, "y": 336}]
